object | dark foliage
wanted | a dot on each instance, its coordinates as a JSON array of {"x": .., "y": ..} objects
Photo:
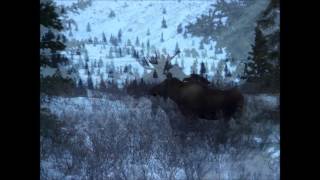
[
  {"x": 56, "y": 85},
  {"x": 264, "y": 60},
  {"x": 49, "y": 17},
  {"x": 53, "y": 85}
]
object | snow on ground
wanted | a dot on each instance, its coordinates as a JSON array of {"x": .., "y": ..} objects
[
  {"x": 135, "y": 18},
  {"x": 134, "y": 121}
]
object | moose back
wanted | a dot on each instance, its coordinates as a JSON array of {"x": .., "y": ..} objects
[{"x": 197, "y": 99}]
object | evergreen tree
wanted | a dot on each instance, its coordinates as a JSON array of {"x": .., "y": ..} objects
[
  {"x": 227, "y": 73},
  {"x": 49, "y": 36},
  {"x": 58, "y": 38},
  {"x": 90, "y": 82},
  {"x": 95, "y": 41},
  {"x": 177, "y": 49},
  {"x": 155, "y": 74},
  {"x": 179, "y": 28},
  {"x": 100, "y": 63},
  {"x": 120, "y": 52},
  {"x": 112, "y": 14},
  {"x": 185, "y": 36},
  {"x": 164, "y": 23},
  {"x": 202, "y": 69},
  {"x": 125, "y": 69},
  {"x": 104, "y": 39},
  {"x": 48, "y": 16},
  {"x": 86, "y": 67},
  {"x": 161, "y": 40},
  {"x": 148, "y": 32},
  {"x": 86, "y": 56},
  {"x": 164, "y": 11},
  {"x": 211, "y": 47},
  {"x": 64, "y": 39},
  {"x": 81, "y": 90},
  {"x": 90, "y": 41},
  {"x": 119, "y": 35},
  {"x": 194, "y": 67},
  {"x": 56, "y": 84},
  {"x": 88, "y": 27},
  {"x": 111, "y": 53},
  {"x": 148, "y": 45},
  {"x": 167, "y": 66},
  {"x": 63, "y": 10},
  {"x": 113, "y": 40},
  {"x": 258, "y": 67},
  {"x": 102, "y": 86},
  {"x": 137, "y": 42}
]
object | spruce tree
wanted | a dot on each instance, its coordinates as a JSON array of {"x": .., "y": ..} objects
[
  {"x": 90, "y": 82},
  {"x": 111, "y": 53},
  {"x": 185, "y": 36},
  {"x": 88, "y": 27},
  {"x": 179, "y": 28},
  {"x": 155, "y": 74},
  {"x": 54, "y": 85},
  {"x": 177, "y": 49},
  {"x": 120, "y": 52},
  {"x": 148, "y": 32},
  {"x": 119, "y": 35},
  {"x": 137, "y": 42},
  {"x": 202, "y": 69},
  {"x": 104, "y": 39},
  {"x": 81, "y": 90},
  {"x": 161, "y": 40},
  {"x": 258, "y": 65},
  {"x": 163, "y": 23},
  {"x": 211, "y": 47},
  {"x": 125, "y": 69},
  {"x": 164, "y": 11},
  {"x": 195, "y": 67},
  {"x": 112, "y": 14},
  {"x": 226, "y": 71},
  {"x": 102, "y": 86}
]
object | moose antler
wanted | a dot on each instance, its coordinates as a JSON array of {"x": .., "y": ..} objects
[
  {"x": 168, "y": 65},
  {"x": 154, "y": 60}
]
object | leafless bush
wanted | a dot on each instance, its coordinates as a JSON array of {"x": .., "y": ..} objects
[{"x": 129, "y": 138}]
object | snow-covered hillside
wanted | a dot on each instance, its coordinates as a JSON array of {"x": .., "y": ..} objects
[{"x": 140, "y": 20}]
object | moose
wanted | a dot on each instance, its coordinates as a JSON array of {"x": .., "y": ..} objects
[
  {"x": 193, "y": 95},
  {"x": 194, "y": 98}
]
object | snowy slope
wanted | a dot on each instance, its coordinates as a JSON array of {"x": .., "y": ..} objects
[{"x": 135, "y": 18}]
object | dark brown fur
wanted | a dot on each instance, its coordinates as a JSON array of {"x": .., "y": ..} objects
[{"x": 196, "y": 99}]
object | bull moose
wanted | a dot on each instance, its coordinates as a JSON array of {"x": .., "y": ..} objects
[{"x": 195, "y": 98}]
